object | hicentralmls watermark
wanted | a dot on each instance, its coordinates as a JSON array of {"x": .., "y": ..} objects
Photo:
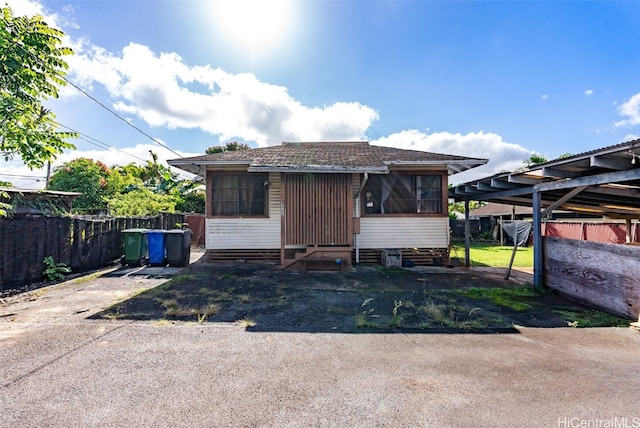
[{"x": 619, "y": 422}]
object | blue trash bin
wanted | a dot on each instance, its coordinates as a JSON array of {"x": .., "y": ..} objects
[{"x": 157, "y": 251}]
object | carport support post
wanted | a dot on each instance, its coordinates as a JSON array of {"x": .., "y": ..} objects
[
  {"x": 537, "y": 239},
  {"x": 467, "y": 235}
]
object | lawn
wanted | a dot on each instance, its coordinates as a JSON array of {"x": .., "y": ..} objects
[{"x": 494, "y": 255}]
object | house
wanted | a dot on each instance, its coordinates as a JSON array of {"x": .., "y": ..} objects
[
  {"x": 37, "y": 202},
  {"x": 297, "y": 204}
]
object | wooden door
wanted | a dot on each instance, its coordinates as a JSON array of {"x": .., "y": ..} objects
[{"x": 318, "y": 210}]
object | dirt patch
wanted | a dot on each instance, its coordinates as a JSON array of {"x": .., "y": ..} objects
[{"x": 365, "y": 299}]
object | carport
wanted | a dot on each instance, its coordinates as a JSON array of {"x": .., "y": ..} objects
[{"x": 603, "y": 182}]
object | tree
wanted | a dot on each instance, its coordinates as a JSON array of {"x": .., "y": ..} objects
[
  {"x": 535, "y": 159},
  {"x": 173, "y": 193},
  {"x": 86, "y": 176},
  {"x": 229, "y": 147},
  {"x": 140, "y": 202},
  {"x": 4, "y": 207},
  {"x": 458, "y": 207},
  {"x": 191, "y": 202},
  {"x": 32, "y": 69}
]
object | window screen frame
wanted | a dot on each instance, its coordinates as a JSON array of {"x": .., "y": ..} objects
[
  {"x": 256, "y": 183},
  {"x": 403, "y": 197}
]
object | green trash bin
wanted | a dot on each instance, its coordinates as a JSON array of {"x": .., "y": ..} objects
[
  {"x": 178, "y": 246},
  {"x": 136, "y": 249}
]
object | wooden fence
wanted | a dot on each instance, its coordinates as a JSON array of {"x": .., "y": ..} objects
[
  {"x": 82, "y": 243},
  {"x": 601, "y": 275}
]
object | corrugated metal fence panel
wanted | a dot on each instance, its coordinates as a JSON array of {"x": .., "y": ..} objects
[
  {"x": 404, "y": 232},
  {"x": 606, "y": 232},
  {"x": 318, "y": 209},
  {"x": 196, "y": 223}
]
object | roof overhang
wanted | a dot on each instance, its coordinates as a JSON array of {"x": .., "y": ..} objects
[
  {"x": 453, "y": 166},
  {"x": 201, "y": 167},
  {"x": 604, "y": 182},
  {"x": 320, "y": 169},
  {"x": 36, "y": 193}
]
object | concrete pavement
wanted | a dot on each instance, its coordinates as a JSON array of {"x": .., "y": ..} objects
[{"x": 58, "y": 368}]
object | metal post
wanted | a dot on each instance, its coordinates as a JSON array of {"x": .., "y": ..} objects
[{"x": 538, "y": 278}]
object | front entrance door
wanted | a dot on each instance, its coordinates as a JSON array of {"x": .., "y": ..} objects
[{"x": 318, "y": 210}]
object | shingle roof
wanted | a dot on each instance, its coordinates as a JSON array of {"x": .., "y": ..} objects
[{"x": 328, "y": 156}]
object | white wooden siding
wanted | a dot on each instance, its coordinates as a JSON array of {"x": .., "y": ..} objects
[
  {"x": 404, "y": 232},
  {"x": 248, "y": 233}
]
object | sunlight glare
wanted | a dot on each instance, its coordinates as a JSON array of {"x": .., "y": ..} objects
[{"x": 257, "y": 25}]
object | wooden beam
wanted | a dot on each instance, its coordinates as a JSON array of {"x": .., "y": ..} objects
[
  {"x": 501, "y": 184},
  {"x": 562, "y": 200},
  {"x": 508, "y": 193},
  {"x": 610, "y": 163},
  {"x": 471, "y": 189},
  {"x": 559, "y": 173},
  {"x": 616, "y": 191},
  {"x": 485, "y": 187},
  {"x": 522, "y": 179},
  {"x": 591, "y": 180}
]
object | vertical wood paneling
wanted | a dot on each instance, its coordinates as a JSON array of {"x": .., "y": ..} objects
[{"x": 319, "y": 208}]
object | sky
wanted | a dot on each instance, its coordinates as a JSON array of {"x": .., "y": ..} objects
[{"x": 496, "y": 80}]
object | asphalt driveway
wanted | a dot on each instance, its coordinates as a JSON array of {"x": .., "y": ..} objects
[{"x": 60, "y": 367}]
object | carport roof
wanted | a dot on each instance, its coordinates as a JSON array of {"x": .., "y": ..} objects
[{"x": 603, "y": 182}]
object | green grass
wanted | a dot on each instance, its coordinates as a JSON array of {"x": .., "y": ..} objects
[
  {"x": 592, "y": 318},
  {"x": 514, "y": 298},
  {"x": 495, "y": 255}
]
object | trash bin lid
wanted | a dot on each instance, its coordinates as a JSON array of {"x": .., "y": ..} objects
[
  {"x": 179, "y": 231},
  {"x": 149, "y": 231}
]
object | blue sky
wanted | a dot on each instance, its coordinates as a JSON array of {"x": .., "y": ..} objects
[{"x": 497, "y": 80}]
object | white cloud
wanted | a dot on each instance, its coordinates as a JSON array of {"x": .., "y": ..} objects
[
  {"x": 544, "y": 97},
  {"x": 164, "y": 91},
  {"x": 139, "y": 155},
  {"x": 502, "y": 156},
  {"x": 630, "y": 109},
  {"x": 588, "y": 92}
]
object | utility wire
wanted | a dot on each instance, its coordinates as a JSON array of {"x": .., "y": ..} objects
[
  {"x": 99, "y": 143},
  {"x": 104, "y": 145},
  {"x": 120, "y": 117},
  {"x": 25, "y": 50}
]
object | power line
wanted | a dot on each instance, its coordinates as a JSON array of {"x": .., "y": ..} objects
[
  {"x": 120, "y": 117},
  {"x": 104, "y": 145},
  {"x": 99, "y": 143},
  {"x": 24, "y": 49}
]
